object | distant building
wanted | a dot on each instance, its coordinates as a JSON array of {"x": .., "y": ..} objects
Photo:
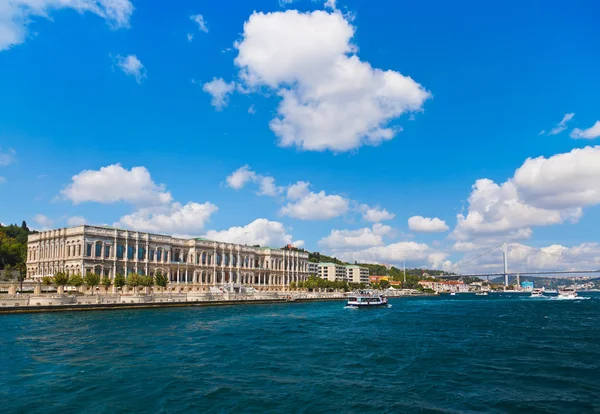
[
  {"x": 527, "y": 285},
  {"x": 313, "y": 268},
  {"x": 444, "y": 285},
  {"x": 357, "y": 274},
  {"x": 377, "y": 279},
  {"x": 333, "y": 272}
]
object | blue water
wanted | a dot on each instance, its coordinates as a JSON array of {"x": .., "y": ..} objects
[{"x": 466, "y": 353}]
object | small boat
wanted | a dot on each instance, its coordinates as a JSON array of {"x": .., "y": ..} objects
[
  {"x": 567, "y": 293},
  {"x": 366, "y": 300},
  {"x": 484, "y": 293},
  {"x": 537, "y": 293},
  {"x": 452, "y": 293}
]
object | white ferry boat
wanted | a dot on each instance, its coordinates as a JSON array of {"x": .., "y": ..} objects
[
  {"x": 365, "y": 300},
  {"x": 567, "y": 293},
  {"x": 482, "y": 293},
  {"x": 537, "y": 293}
]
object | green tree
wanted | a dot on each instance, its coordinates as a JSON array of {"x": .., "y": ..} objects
[
  {"x": 133, "y": 281},
  {"x": 76, "y": 280},
  {"x": 106, "y": 282},
  {"x": 146, "y": 281},
  {"x": 61, "y": 279},
  {"x": 119, "y": 281},
  {"x": 161, "y": 280},
  {"x": 47, "y": 281},
  {"x": 384, "y": 284},
  {"x": 91, "y": 280}
]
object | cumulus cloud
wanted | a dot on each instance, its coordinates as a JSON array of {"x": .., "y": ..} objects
[
  {"x": 330, "y": 99},
  {"x": 199, "y": 19},
  {"x": 562, "y": 125},
  {"x": 543, "y": 191},
  {"x": 568, "y": 180},
  {"x": 244, "y": 175},
  {"x": 261, "y": 231},
  {"x": 16, "y": 15},
  {"x": 114, "y": 183},
  {"x": 240, "y": 177},
  {"x": 131, "y": 66},
  {"x": 7, "y": 157},
  {"x": 316, "y": 206},
  {"x": 427, "y": 225},
  {"x": 298, "y": 190},
  {"x": 220, "y": 91},
  {"x": 375, "y": 214},
  {"x": 43, "y": 221},
  {"x": 524, "y": 258},
  {"x": 414, "y": 254},
  {"x": 590, "y": 133},
  {"x": 342, "y": 240},
  {"x": 2, "y": 180},
  {"x": 174, "y": 218},
  {"x": 267, "y": 186}
]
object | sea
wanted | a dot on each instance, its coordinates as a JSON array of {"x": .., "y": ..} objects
[{"x": 502, "y": 353}]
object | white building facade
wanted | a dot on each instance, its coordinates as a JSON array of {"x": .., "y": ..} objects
[
  {"x": 199, "y": 262},
  {"x": 357, "y": 274},
  {"x": 333, "y": 272}
]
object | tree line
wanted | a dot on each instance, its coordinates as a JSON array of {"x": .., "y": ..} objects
[{"x": 93, "y": 280}]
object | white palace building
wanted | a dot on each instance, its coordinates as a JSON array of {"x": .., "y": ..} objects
[{"x": 198, "y": 262}]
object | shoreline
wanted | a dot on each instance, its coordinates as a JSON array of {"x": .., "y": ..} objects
[{"x": 152, "y": 305}]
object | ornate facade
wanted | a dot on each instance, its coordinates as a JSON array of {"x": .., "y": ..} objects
[{"x": 198, "y": 262}]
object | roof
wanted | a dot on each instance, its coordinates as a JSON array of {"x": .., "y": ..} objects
[{"x": 328, "y": 264}]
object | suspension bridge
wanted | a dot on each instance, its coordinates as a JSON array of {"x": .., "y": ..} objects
[{"x": 506, "y": 273}]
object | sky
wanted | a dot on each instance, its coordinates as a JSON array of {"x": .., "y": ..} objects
[{"x": 425, "y": 133}]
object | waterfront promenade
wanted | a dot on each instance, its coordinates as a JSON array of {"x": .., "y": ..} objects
[{"x": 52, "y": 302}]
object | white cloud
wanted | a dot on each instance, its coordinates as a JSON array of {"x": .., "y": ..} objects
[
  {"x": 172, "y": 219},
  {"x": 330, "y": 99},
  {"x": 251, "y": 110},
  {"x": 267, "y": 186},
  {"x": 76, "y": 221},
  {"x": 2, "y": 180},
  {"x": 427, "y": 224},
  {"x": 590, "y": 133},
  {"x": 375, "y": 214},
  {"x": 568, "y": 180},
  {"x": 298, "y": 190},
  {"x": 240, "y": 177},
  {"x": 343, "y": 240},
  {"x": 131, "y": 66},
  {"x": 7, "y": 157},
  {"x": 190, "y": 37},
  {"x": 330, "y": 4},
  {"x": 562, "y": 125},
  {"x": 114, "y": 183},
  {"x": 199, "y": 19},
  {"x": 220, "y": 91},
  {"x": 244, "y": 175},
  {"x": 261, "y": 231},
  {"x": 16, "y": 15},
  {"x": 298, "y": 243},
  {"x": 43, "y": 221},
  {"x": 414, "y": 254},
  {"x": 316, "y": 206},
  {"x": 523, "y": 258},
  {"x": 543, "y": 191}
]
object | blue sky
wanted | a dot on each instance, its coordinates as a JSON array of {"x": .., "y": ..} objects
[{"x": 395, "y": 106}]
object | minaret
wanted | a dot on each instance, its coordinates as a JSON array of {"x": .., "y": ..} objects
[{"x": 505, "y": 264}]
